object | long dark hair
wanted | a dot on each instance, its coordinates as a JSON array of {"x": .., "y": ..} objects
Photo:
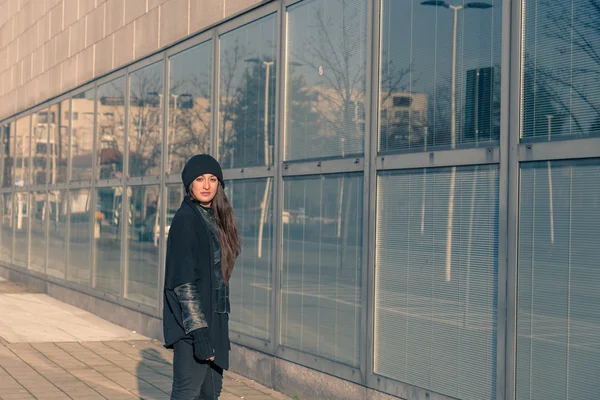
[{"x": 229, "y": 238}]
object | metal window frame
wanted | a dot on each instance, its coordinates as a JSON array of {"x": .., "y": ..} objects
[
  {"x": 490, "y": 155},
  {"x": 512, "y": 196}
]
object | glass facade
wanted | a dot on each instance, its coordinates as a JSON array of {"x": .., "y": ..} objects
[{"x": 415, "y": 185}]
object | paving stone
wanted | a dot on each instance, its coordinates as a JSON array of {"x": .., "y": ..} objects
[{"x": 114, "y": 369}]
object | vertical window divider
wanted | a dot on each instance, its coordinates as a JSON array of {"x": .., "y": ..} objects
[
  {"x": 215, "y": 101},
  {"x": 124, "y": 196},
  {"x": 369, "y": 180},
  {"x": 46, "y": 194},
  {"x": 162, "y": 190},
  {"x": 92, "y": 196},
  {"x": 277, "y": 192},
  {"x": 513, "y": 138},
  {"x": 370, "y": 228},
  {"x": 504, "y": 191},
  {"x": 67, "y": 185}
]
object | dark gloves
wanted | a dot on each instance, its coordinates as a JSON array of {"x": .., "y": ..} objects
[{"x": 203, "y": 348}]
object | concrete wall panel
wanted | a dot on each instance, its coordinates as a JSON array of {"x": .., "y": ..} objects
[
  {"x": 85, "y": 65},
  {"x": 115, "y": 11},
  {"x": 95, "y": 25},
  {"x": 134, "y": 10},
  {"x": 56, "y": 20},
  {"x": 173, "y": 21},
  {"x": 123, "y": 49},
  {"x": 71, "y": 12},
  {"x": 146, "y": 33},
  {"x": 235, "y": 6},
  {"x": 77, "y": 36},
  {"x": 62, "y": 46},
  {"x": 104, "y": 55},
  {"x": 85, "y": 6},
  {"x": 69, "y": 72},
  {"x": 203, "y": 14}
]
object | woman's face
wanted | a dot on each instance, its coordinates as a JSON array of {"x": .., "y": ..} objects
[{"x": 204, "y": 188}]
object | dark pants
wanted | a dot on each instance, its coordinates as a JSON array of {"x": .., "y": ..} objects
[{"x": 192, "y": 379}]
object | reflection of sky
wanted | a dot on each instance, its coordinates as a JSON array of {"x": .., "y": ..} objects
[
  {"x": 190, "y": 71},
  {"x": 255, "y": 40}
]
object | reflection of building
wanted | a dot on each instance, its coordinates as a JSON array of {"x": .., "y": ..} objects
[
  {"x": 480, "y": 123},
  {"x": 404, "y": 119}
]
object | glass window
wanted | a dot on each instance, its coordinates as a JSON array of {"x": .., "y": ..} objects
[
  {"x": 440, "y": 61},
  {"x": 143, "y": 244},
  {"x": 79, "y": 237},
  {"x": 39, "y": 146},
  {"x": 247, "y": 83},
  {"x": 326, "y": 79},
  {"x": 82, "y": 137},
  {"x": 189, "y": 105},
  {"x": 21, "y": 221},
  {"x": 7, "y": 155},
  {"x": 6, "y": 225},
  {"x": 107, "y": 239},
  {"x": 110, "y": 132},
  {"x": 58, "y": 140},
  {"x": 560, "y": 64},
  {"x": 145, "y": 120},
  {"x": 322, "y": 266},
  {"x": 558, "y": 317},
  {"x": 57, "y": 233},
  {"x": 436, "y": 283},
  {"x": 252, "y": 201},
  {"x": 39, "y": 219},
  {"x": 22, "y": 154}
]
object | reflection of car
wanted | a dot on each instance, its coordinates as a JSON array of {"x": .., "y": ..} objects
[{"x": 150, "y": 228}]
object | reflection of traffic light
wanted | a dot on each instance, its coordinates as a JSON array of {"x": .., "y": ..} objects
[{"x": 478, "y": 106}]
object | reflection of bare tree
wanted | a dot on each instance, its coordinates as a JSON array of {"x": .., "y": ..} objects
[
  {"x": 231, "y": 60},
  {"x": 575, "y": 26},
  {"x": 145, "y": 133},
  {"x": 189, "y": 118},
  {"x": 340, "y": 61}
]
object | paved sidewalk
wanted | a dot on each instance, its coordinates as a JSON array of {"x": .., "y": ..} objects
[{"x": 93, "y": 369}]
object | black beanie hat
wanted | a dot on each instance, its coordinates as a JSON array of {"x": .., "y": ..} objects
[{"x": 200, "y": 164}]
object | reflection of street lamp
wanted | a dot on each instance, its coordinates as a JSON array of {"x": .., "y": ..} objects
[
  {"x": 455, "y": 9},
  {"x": 266, "y": 117},
  {"x": 175, "y": 97},
  {"x": 267, "y": 158}
]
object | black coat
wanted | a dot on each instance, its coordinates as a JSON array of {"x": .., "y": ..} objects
[{"x": 190, "y": 259}]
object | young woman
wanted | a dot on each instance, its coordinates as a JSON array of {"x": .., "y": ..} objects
[{"x": 202, "y": 246}]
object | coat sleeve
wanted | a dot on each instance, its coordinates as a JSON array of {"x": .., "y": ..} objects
[{"x": 190, "y": 302}]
